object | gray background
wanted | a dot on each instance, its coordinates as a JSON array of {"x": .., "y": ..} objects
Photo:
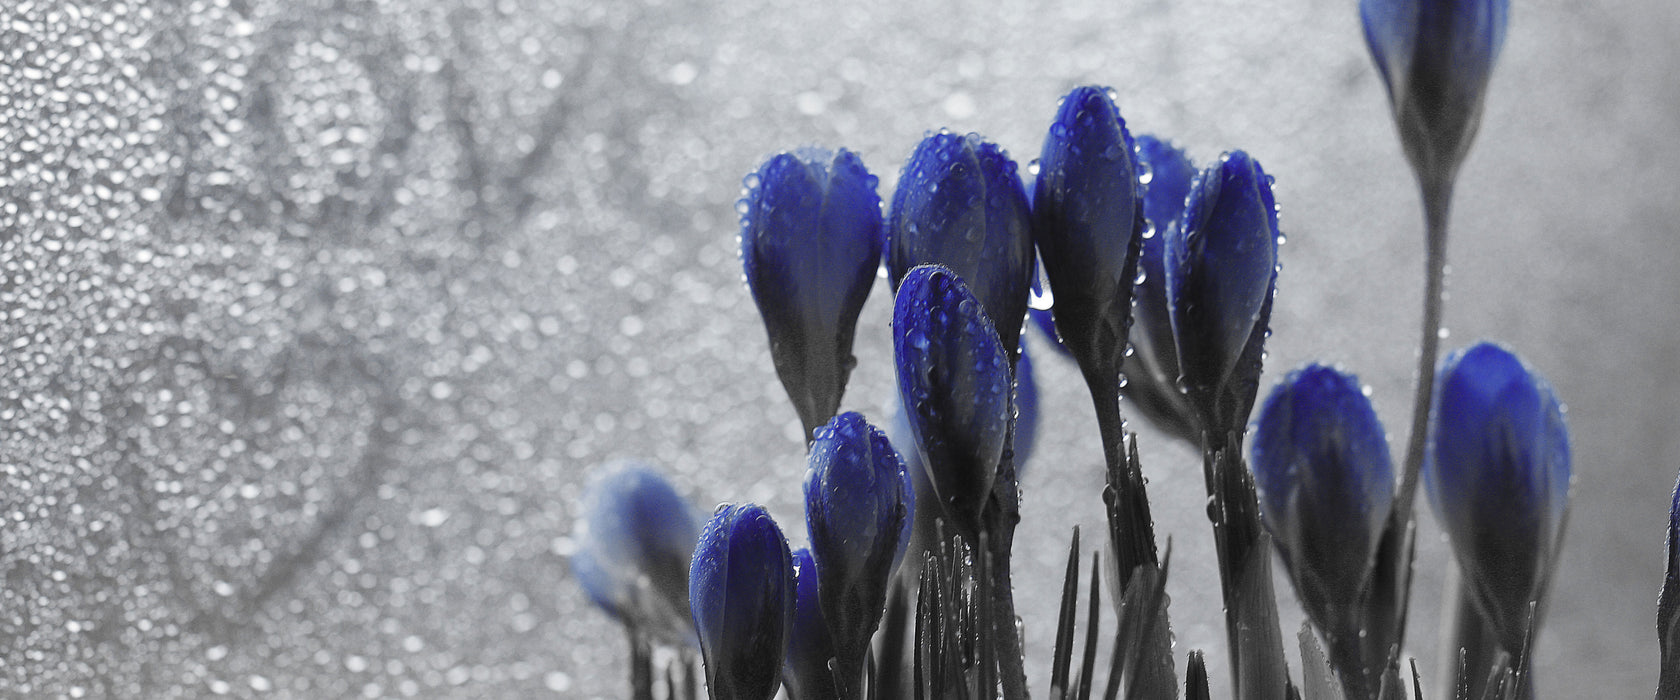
[{"x": 318, "y": 314}]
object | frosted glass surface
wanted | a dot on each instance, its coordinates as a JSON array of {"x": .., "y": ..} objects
[{"x": 317, "y": 314}]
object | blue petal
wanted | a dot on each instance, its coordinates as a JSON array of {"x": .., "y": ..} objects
[
  {"x": 1086, "y": 219},
  {"x": 1221, "y": 267},
  {"x": 959, "y": 203},
  {"x": 1435, "y": 57},
  {"x": 1321, "y": 463},
  {"x": 1497, "y": 469},
  {"x": 809, "y": 649},
  {"x": 741, "y": 595},
  {"x": 1152, "y": 369},
  {"x": 953, "y": 375},
  {"x": 857, "y": 504},
  {"x": 810, "y": 245}
]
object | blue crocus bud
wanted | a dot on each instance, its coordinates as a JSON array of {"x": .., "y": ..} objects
[
  {"x": 858, "y": 501},
  {"x": 1088, "y": 222},
  {"x": 809, "y": 649},
  {"x": 1435, "y": 57},
  {"x": 960, "y": 204},
  {"x": 953, "y": 375},
  {"x": 741, "y": 592},
  {"x": 1152, "y": 369},
  {"x": 1321, "y": 464},
  {"x": 810, "y": 244},
  {"x": 1221, "y": 270},
  {"x": 635, "y": 536},
  {"x": 1497, "y": 471}
]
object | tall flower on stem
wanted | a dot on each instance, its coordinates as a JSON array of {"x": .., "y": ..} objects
[
  {"x": 1497, "y": 471},
  {"x": 810, "y": 245},
  {"x": 1089, "y": 222},
  {"x": 1221, "y": 271},
  {"x": 1436, "y": 58}
]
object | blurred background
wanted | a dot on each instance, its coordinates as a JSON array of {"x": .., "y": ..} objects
[{"x": 318, "y": 315}]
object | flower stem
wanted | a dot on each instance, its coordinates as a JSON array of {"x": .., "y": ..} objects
[
  {"x": 641, "y": 664},
  {"x": 1003, "y": 513},
  {"x": 1437, "y": 205},
  {"x": 1105, "y": 398}
]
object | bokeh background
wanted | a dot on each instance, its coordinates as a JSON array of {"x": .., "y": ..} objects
[{"x": 319, "y": 314}]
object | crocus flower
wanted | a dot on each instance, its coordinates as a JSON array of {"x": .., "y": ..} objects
[
  {"x": 635, "y": 536},
  {"x": 741, "y": 593},
  {"x": 810, "y": 245},
  {"x": 805, "y": 669},
  {"x": 858, "y": 501},
  {"x": 953, "y": 375},
  {"x": 1497, "y": 471},
  {"x": 1221, "y": 270},
  {"x": 1326, "y": 482},
  {"x": 1435, "y": 57},
  {"x": 960, "y": 204},
  {"x": 1088, "y": 223},
  {"x": 1152, "y": 369}
]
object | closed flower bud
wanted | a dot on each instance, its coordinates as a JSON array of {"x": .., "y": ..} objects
[
  {"x": 805, "y": 669},
  {"x": 1497, "y": 471},
  {"x": 1088, "y": 223},
  {"x": 1221, "y": 270},
  {"x": 858, "y": 501},
  {"x": 1152, "y": 369},
  {"x": 1326, "y": 482},
  {"x": 960, "y": 204},
  {"x": 635, "y": 538},
  {"x": 953, "y": 376},
  {"x": 741, "y": 593},
  {"x": 1435, "y": 57},
  {"x": 810, "y": 245}
]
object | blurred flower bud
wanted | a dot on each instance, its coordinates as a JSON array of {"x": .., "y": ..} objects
[
  {"x": 858, "y": 501},
  {"x": 805, "y": 669},
  {"x": 1221, "y": 270},
  {"x": 1152, "y": 369},
  {"x": 810, "y": 245},
  {"x": 1497, "y": 471},
  {"x": 635, "y": 539},
  {"x": 953, "y": 375},
  {"x": 959, "y": 203},
  {"x": 1326, "y": 483},
  {"x": 1087, "y": 221},
  {"x": 741, "y": 593},
  {"x": 1435, "y": 57}
]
